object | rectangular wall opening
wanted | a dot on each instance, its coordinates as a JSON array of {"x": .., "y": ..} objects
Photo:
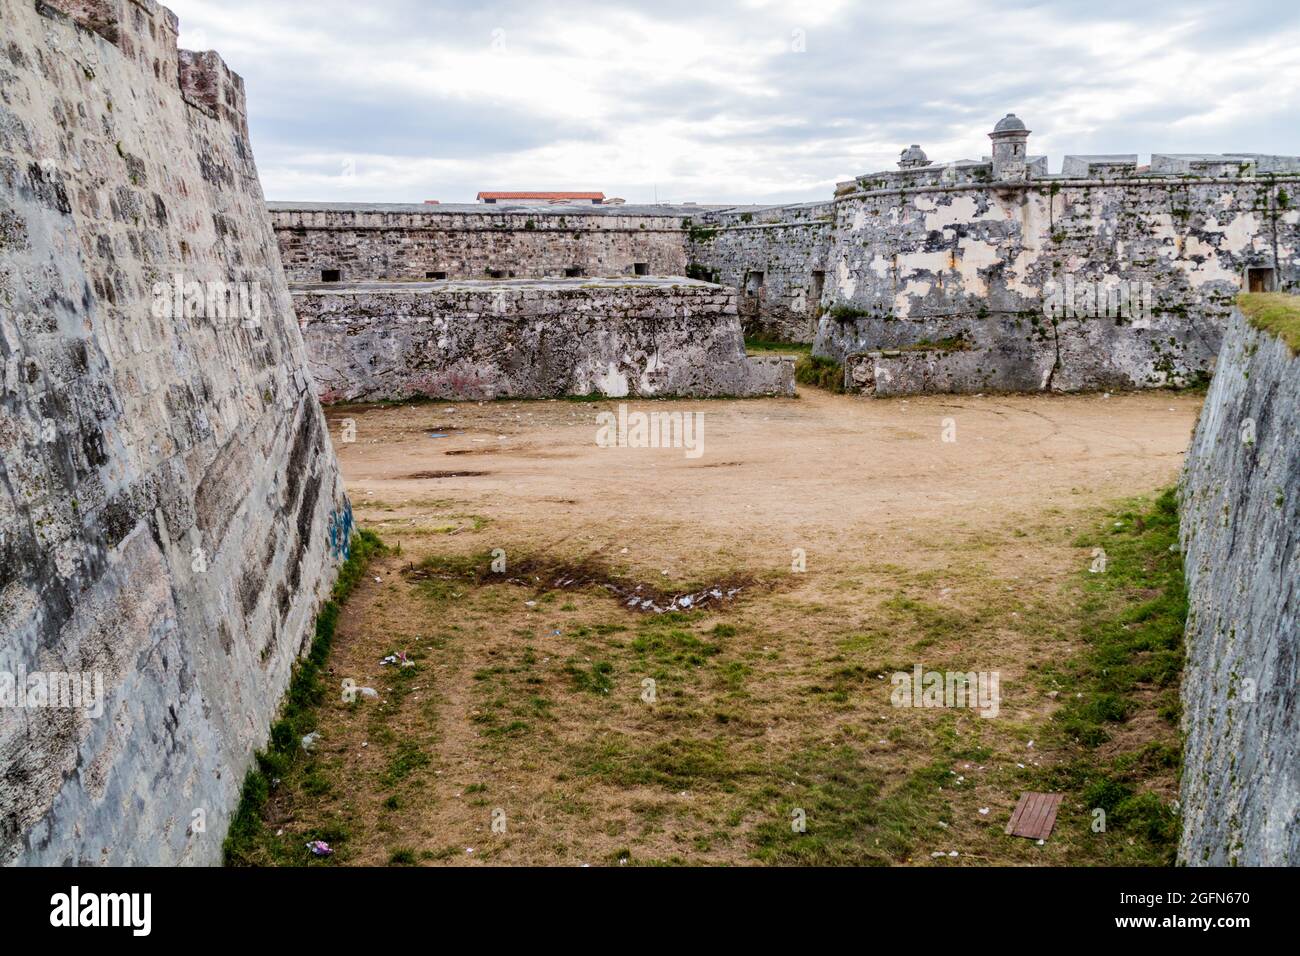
[
  {"x": 497, "y": 273},
  {"x": 573, "y": 272},
  {"x": 641, "y": 268},
  {"x": 435, "y": 275},
  {"x": 1263, "y": 279},
  {"x": 330, "y": 275},
  {"x": 815, "y": 287},
  {"x": 753, "y": 283}
]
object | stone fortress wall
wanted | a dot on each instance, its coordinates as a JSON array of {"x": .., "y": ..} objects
[
  {"x": 774, "y": 257},
  {"x": 171, "y": 513},
  {"x": 473, "y": 340},
  {"x": 974, "y": 275},
  {"x": 487, "y": 301},
  {"x": 393, "y": 242},
  {"x": 948, "y": 286},
  {"x": 984, "y": 275},
  {"x": 1240, "y": 503}
]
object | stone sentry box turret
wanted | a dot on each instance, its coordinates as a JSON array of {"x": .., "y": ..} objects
[{"x": 1010, "y": 149}]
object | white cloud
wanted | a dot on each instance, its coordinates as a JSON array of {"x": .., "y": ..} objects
[{"x": 717, "y": 102}]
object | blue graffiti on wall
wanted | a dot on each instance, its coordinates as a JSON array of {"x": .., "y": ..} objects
[{"x": 341, "y": 532}]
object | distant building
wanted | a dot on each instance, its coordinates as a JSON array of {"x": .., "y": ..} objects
[
  {"x": 432, "y": 202},
  {"x": 542, "y": 199}
]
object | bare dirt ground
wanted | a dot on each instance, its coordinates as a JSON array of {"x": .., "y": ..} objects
[{"x": 523, "y": 733}]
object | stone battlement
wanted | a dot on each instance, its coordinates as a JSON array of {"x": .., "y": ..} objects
[{"x": 145, "y": 32}]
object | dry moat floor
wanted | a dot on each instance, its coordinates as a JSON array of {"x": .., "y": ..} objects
[{"x": 527, "y": 703}]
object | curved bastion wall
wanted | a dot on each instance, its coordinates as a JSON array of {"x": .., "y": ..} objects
[
  {"x": 1241, "y": 543},
  {"x": 171, "y": 513},
  {"x": 994, "y": 274},
  {"x": 1055, "y": 285}
]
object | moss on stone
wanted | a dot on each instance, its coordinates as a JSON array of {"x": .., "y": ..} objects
[{"x": 1274, "y": 312}]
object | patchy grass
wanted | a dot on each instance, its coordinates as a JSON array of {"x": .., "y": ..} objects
[
  {"x": 771, "y": 736},
  {"x": 1275, "y": 312},
  {"x": 759, "y": 346}
]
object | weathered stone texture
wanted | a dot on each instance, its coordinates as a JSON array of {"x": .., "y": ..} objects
[
  {"x": 973, "y": 262},
  {"x": 1241, "y": 543},
  {"x": 393, "y": 242},
  {"x": 529, "y": 339},
  {"x": 167, "y": 486},
  {"x": 774, "y": 257}
]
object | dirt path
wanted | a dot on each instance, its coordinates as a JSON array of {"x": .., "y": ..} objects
[{"x": 530, "y": 706}]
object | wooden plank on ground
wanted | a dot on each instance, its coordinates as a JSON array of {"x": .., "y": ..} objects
[{"x": 1034, "y": 816}]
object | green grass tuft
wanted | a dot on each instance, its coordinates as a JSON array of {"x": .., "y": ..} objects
[{"x": 820, "y": 372}]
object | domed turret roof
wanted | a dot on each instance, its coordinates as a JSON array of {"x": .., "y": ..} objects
[
  {"x": 1011, "y": 123},
  {"x": 913, "y": 156}
]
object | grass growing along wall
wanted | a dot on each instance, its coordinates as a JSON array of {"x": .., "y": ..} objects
[
  {"x": 821, "y": 372},
  {"x": 298, "y": 711},
  {"x": 1119, "y": 719}
]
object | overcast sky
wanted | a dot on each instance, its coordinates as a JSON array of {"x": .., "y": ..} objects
[{"x": 730, "y": 100}]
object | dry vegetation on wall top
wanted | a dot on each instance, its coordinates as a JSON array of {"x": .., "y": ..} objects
[{"x": 1275, "y": 312}]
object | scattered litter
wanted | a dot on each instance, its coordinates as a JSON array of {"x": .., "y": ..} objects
[
  {"x": 530, "y": 604},
  {"x": 438, "y": 435},
  {"x": 309, "y": 742},
  {"x": 369, "y": 692},
  {"x": 984, "y": 811},
  {"x": 1034, "y": 816},
  {"x": 319, "y": 848}
]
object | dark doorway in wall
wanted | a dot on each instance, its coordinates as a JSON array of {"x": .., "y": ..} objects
[
  {"x": 641, "y": 268},
  {"x": 435, "y": 275},
  {"x": 573, "y": 271},
  {"x": 815, "y": 287},
  {"x": 497, "y": 273},
  {"x": 330, "y": 275},
  {"x": 753, "y": 283},
  {"x": 1263, "y": 279}
]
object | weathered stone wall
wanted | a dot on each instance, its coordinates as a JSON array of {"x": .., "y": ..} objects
[
  {"x": 170, "y": 509},
  {"x": 974, "y": 262},
  {"x": 530, "y": 339},
  {"x": 1241, "y": 543},
  {"x": 395, "y": 242},
  {"x": 774, "y": 257}
]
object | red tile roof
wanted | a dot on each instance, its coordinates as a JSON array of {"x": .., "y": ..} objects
[{"x": 590, "y": 196}]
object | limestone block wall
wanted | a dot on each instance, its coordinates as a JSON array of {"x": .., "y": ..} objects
[
  {"x": 397, "y": 242},
  {"x": 1241, "y": 686},
  {"x": 530, "y": 339},
  {"x": 977, "y": 262},
  {"x": 171, "y": 514},
  {"x": 774, "y": 257}
]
